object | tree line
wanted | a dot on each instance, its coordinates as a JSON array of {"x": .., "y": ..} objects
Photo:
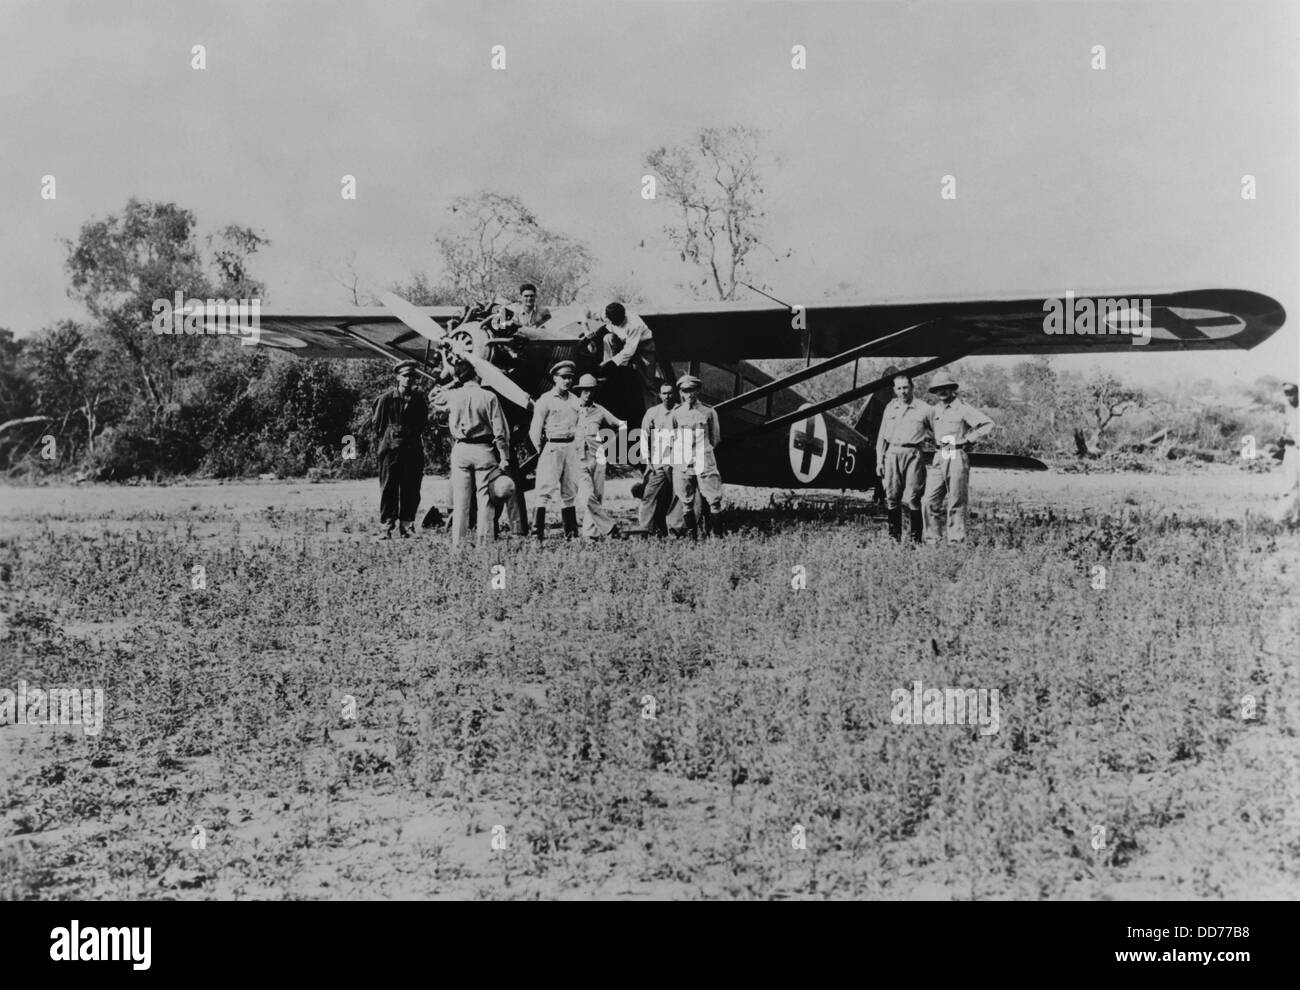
[{"x": 105, "y": 398}]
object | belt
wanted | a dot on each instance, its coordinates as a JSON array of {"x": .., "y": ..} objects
[
  {"x": 484, "y": 440},
  {"x": 559, "y": 439},
  {"x": 892, "y": 444}
]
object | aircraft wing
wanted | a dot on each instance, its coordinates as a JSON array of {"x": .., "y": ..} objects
[
  {"x": 1202, "y": 319},
  {"x": 331, "y": 335},
  {"x": 328, "y": 335}
]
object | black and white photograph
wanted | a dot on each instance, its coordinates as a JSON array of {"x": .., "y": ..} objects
[{"x": 650, "y": 451}]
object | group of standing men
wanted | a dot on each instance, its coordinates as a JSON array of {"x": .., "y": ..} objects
[
  {"x": 921, "y": 447},
  {"x": 568, "y": 429},
  {"x": 677, "y": 448}
]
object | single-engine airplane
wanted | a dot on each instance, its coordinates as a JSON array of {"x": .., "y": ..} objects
[{"x": 771, "y": 436}]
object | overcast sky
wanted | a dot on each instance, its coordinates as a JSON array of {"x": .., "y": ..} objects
[{"x": 1126, "y": 179}]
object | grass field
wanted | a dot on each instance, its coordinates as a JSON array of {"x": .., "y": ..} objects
[{"x": 327, "y": 717}]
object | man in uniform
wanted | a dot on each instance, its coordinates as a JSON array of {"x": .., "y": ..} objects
[
  {"x": 555, "y": 418},
  {"x": 873, "y": 413},
  {"x": 592, "y": 419},
  {"x": 399, "y": 418},
  {"x": 482, "y": 443},
  {"x": 696, "y": 432},
  {"x": 656, "y": 455},
  {"x": 957, "y": 426},
  {"x": 904, "y": 429}
]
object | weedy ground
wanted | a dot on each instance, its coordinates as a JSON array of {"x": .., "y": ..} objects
[{"x": 329, "y": 717}]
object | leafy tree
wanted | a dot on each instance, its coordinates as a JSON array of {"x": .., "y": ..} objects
[
  {"x": 121, "y": 264},
  {"x": 16, "y": 398},
  {"x": 74, "y": 382}
]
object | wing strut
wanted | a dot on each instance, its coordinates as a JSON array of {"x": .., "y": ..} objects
[
  {"x": 795, "y": 377},
  {"x": 819, "y": 407},
  {"x": 394, "y": 357}
]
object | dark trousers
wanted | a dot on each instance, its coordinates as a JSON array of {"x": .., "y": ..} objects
[
  {"x": 400, "y": 474},
  {"x": 656, "y": 496}
]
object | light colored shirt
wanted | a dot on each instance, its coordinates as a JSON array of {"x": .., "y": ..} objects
[
  {"x": 696, "y": 432},
  {"x": 632, "y": 334},
  {"x": 554, "y": 415},
  {"x": 591, "y": 420},
  {"x": 519, "y": 317},
  {"x": 702, "y": 419},
  {"x": 657, "y": 435},
  {"x": 534, "y": 317},
  {"x": 903, "y": 422},
  {"x": 961, "y": 421},
  {"x": 474, "y": 413}
]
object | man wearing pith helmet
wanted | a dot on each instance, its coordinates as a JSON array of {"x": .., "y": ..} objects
[
  {"x": 957, "y": 427},
  {"x": 555, "y": 418},
  {"x": 594, "y": 422},
  {"x": 696, "y": 433}
]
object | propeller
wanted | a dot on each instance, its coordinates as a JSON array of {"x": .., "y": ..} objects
[{"x": 488, "y": 373}]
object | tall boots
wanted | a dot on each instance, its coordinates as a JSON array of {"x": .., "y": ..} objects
[
  {"x": 692, "y": 527},
  {"x": 570, "y": 517},
  {"x": 914, "y": 524},
  {"x": 914, "y": 517}
]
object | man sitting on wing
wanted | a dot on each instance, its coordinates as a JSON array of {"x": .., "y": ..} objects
[
  {"x": 627, "y": 356},
  {"x": 526, "y": 314}
]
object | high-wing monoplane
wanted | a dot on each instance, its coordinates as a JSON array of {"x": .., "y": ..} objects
[{"x": 772, "y": 436}]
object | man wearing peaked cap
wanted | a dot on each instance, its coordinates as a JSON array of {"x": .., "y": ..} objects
[
  {"x": 399, "y": 418},
  {"x": 590, "y": 437},
  {"x": 696, "y": 433},
  {"x": 555, "y": 418},
  {"x": 957, "y": 425}
]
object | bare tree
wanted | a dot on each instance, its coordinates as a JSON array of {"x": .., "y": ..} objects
[
  {"x": 715, "y": 185},
  {"x": 496, "y": 242},
  {"x": 1100, "y": 400}
]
